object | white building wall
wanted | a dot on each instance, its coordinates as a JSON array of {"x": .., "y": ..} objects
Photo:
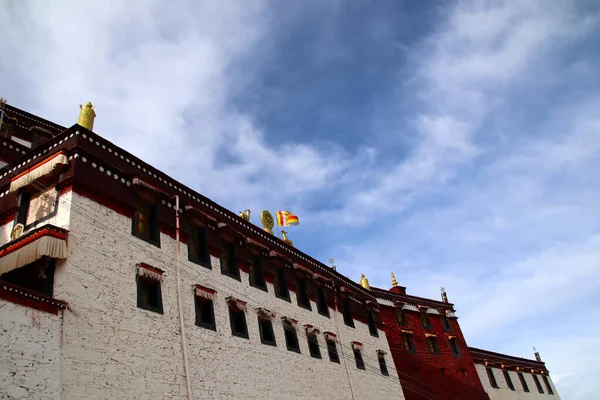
[
  {"x": 112, "y": 349},
  {"x": 504, "y": 393}
]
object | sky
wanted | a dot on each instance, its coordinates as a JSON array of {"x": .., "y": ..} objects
[{"x": 453, "y": 143}]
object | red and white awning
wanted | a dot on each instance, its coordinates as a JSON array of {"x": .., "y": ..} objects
[
  {"x": 331, "y": 336},
  {"x": 264, "y": 313},
  {"x": 290, "y": 321},
  {"x": 311, "y": 329},
  {"x": 239, "y": 304},
  {"x": 205, "y": 292},
  {"x": 150, "y": 272},
  {"x": 381, "y": 352},
  {"x": 38, "y": 171},
  {"x": 357, "y": 346}
]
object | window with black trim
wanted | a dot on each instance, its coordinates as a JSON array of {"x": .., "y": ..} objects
[
  {"x": 382, "y": 365},
  {"x": 144, "y": 223},
  {"x": 37, "y": 276},
  {"x": 433, "y": 345},
  {"x": 229, "y": 260},
  {"x": 537, "y": 383},
  {"x": 332, "y": 351},
  {"x": 281, "y": 289},
  {"x": 523, "y": 382},
  {"x": 257, "y": 274},
  {"x": 198, "y": 251},
  {"x": 267, "y": 336},
  {"x": 237, "y": 320},
  {"x": 491, "y": 378},
  {"x": 372, "y": 324},
  {"x": 205, "y": 313},
  {"x": 401, "y": 316},
  {"x": 425, "y": 320},
  {"x": 313, "y": 345},
  {"x": 348, "y": 320},
  {"x": 23, "y": 208},
  {"x": 446, "y": 323},
  {"x": 302, "y": 293},
  {"x": 291, "y": 337},
  {"x": 149, "y": 295},
  {"x": 547, "y": 383},
  {"x": 508, "y": 380},
  {"x": 322, "y": 305},
  {"x": 358, "y": 358},
  {"x": 408, "y": 343},
  {"x": 454, "y": 348},
  {"x": 37, "y": 207}
]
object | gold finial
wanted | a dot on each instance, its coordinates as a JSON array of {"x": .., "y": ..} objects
[
  {"x": 86, "y": 116},
  {"x": 394, "y": 281},
  {"x": 285, "y": 238},
  {"x": 2, "y": 102},
  {"x": 245, "y": 215},
  {"x": 267, "y": 221},
  {"x": 364, "y": 282}
]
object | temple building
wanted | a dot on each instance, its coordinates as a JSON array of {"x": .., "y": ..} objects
[{"x": 117, "y": 281}]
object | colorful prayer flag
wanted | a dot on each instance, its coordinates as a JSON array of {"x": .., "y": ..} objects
[{"x": 286, "y": 218}]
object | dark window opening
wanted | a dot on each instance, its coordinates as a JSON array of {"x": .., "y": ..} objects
[
  {"x": 401, "y": 316},
  {"x": 332, "y": 351},
  {"x": 537, "y": 383},
  {"x": 281, "y": 289},
  {"x": 508, "y": 380},
  {"x": 372, "y": 324},
  {"x": 454, "y": 348},
  {"x": 322, "y": 305},
  {"x": 237, "y": 320},
  {"x": 24, "y": 200},
  {"x": 348, "y": 320},
  {"x": 205, "y": 313},
  {"x": 313, "y": 346},
  {"x": 408, "y": 343},
  {"x": 267, "y": 336},
  {"x": 548, "y": 386},
  {"x": 523, "y": 382},
  {"x": 425, "y": 320},
  {"x": 291, "y": 337},
  {"x": 302, "y": 294},
  {"x": 145, "y": 222},
  {"x": 383, "y": 366},
  {"x": 464, "y": 372},
  {"x": 257, "y": 274},
  {"x": 491, "y": 377},
  {"x": 229, "y": 261},
  {"x": 198, "y": 251},
  {"x": 446, "y": 324},
  {"x": 37, "y": 276},
  {"x": 433, "y": 345},
  {"x": 360, "y": 364},
  {"x": 149, "y": 295}
]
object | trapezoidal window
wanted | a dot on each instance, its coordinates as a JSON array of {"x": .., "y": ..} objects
[
  {"x": 508, "y": 380},
  {"x": 229, "y": 260},
  {"x": 382, "y": 365},
  {"x": 313, "y": 345},
  {"x": 205, "y": 313},
  {"x": 265, "y": 326},
  {"x": 400, "y": 316},
  {"x": 537, "y": 383},
  {"x": 348, "y": 320},
  {"x": 237, "y": 320},
  {"x": 547, "y": 383},
  {"x": 332, "y": 351},
  {"x": 523, "y": 382},
  {"x": 408, "y": 343},
  {"x": 257, "y": 274},
  {"x": 302, "y": 293},
  {"x": 198, "y": 251},
  {"x": 322, "y": 306},
  {"x": 446, "y": 323},
  {"x": 425, "y": 320},
  {"x": 144, "y": 223},
  {"x": 291, "y": 337},
  {"x": 358, "y": 358},
  {"x": 37, "y": 276},
  {"x": 433, "y": 345},
  {"x": 372, "y": 324},
  {"x": 149, "y": 294},
  {"x": 454, "y": 348},
  {"x": 281, "y": 289},
  {"x": 491, "y": 378}
]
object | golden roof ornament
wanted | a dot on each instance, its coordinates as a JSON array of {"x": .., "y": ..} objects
[
  {"x": 86, "y": 116},
  {"x": 245, "y": 215},
  {"x": 364, "y": 282},
  {"x": 285, "y": 238},
  {"x": 267, "y": 221},
  {"x": 394, "y": 281}
]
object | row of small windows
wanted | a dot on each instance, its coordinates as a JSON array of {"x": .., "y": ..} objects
[
  {"x": 402, "y": 320},
  {"x": 432, "y": 345},
  {"x": 149, "y": 298},
  {"x": 511, "y": 386}
]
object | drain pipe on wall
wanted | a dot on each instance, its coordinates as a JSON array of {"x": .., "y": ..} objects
[
  {"x": 337, "y": 327},
  {"x": 186, "y": 367}
]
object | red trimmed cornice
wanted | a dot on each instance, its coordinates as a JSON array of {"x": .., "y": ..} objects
[{"x": 45, "y": 230}]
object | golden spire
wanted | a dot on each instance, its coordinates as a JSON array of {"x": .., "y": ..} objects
[
  {"x": 394, "y": 281},
  {"x": 285, "y": 238},
  {"x": 86, "y": 116},
  {"x": 364, "y": 282}
]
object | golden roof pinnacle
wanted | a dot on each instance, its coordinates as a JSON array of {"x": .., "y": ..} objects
[{"x": 86, "y": 116}]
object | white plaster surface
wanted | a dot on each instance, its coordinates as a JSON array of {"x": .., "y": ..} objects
[{"x": 504, "y": 393}]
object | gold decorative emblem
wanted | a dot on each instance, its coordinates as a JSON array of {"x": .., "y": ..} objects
[
  {"x": 245, "y": 215},
  {"x": 86, "y": 116},
  {"x": 286, "y": 239},
  {"x": 267, "y": 221},
  {"x": 17, "y": 231}
]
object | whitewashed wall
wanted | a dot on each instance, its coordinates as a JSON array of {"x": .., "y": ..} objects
[{"x": 504, "y": 393}]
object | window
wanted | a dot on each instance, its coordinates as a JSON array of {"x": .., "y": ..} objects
[
  {"x": 257, "y": 274},
  {"x": 491, "y": 377},
  {"x": 205, "y": 313},
  {"x": 360, "y": 364},
  {"x": 267, "y": 336},
  {"x": 291, "y": 337},
  {"x": 332, "y": 351},
  {"x": 407, "y": 342},
  {"x": 454, "y": 347},
  {"x": 348, "y": 320},
  {"x": 281, "y": 289},
  {"x": 382, "y": 365},
  {"x": 548, "y": 386},
  {"x": 523, "y": 382},
  {"x": 145, "y": 222},
  {"x": 38, "y": 207},
  {"x": 149, "y": 294},
  {"x": 23, "y": 208},
  {"x": 433, "y": 345},
  {"x": 508, "y": 380},
  {"x": 237, "y": 320},
  {"x": 229, "y": 261},
  {"x": 37, "y": 276},
  {"x": 401, "y": 316},
  {"x": 425, "y": 320},
  {"x": 537, "y": 383},
  {"x": 302, "y": 294},
  {"x": 322, "y": 305},
  {"x": 446, "y": 324},
  {"x": 198, "y": 246},
  {"x": 372, "y": 324},
  {"x": 313, "y": 345}
]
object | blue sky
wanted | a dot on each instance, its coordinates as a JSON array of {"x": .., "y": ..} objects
[{"x": 456, "y": 144}]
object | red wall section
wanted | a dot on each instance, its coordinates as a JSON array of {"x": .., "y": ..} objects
[{"x": 420, "y": 373}]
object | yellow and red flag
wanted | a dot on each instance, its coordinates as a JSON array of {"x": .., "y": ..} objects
[{"x": 286, "y": 218}]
